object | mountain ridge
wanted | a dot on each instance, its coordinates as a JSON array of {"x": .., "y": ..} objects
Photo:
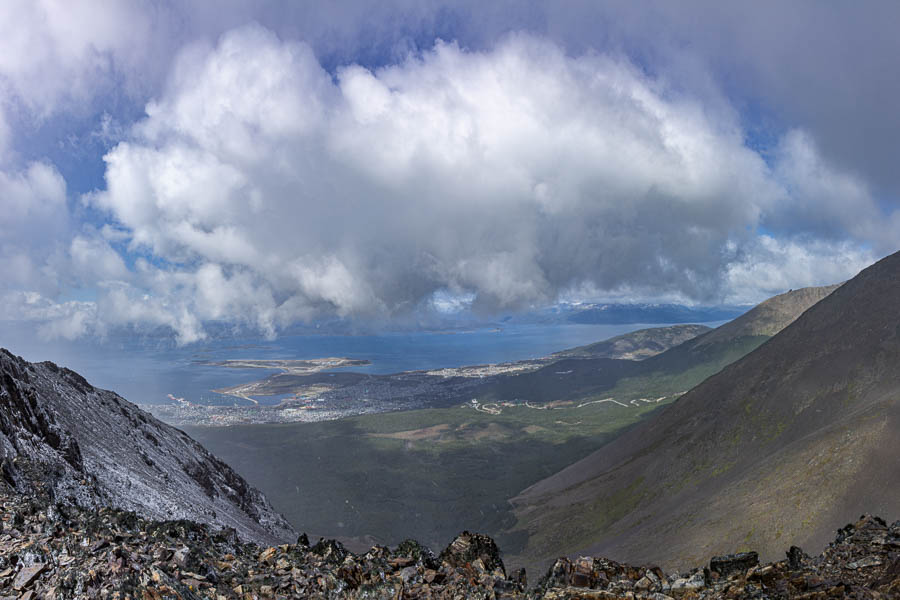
[
  {"x": 424, "y": 473},
  {"x": 800, "y": 418},
  {"x": 91, "y": 447},
  {"x": 772, "y": 315},
  {"x": 636, "y": 345}
]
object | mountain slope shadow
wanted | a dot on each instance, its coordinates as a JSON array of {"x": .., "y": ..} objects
[{"x": 782, "y": 446}]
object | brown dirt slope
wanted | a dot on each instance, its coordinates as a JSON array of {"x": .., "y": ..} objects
[{"x": 781, "y": 447}]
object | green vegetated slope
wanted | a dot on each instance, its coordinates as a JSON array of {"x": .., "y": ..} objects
[
  {"x": 430, "y": 473},
  {"x": 637, "y": 345},
  {"x": 779, "y": 448}
]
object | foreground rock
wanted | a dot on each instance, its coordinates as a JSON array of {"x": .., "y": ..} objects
[{"x": 53, "y": 551}]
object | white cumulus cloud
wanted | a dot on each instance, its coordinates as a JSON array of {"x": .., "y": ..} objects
[
  {"x": 261, "y": 189},
  {"x": 34, "y": 224},
  {"x": 272, "y": 192},
  {"x": 772, "y": 266}
]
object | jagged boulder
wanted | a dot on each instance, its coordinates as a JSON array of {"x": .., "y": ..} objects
[
  {"x": 330, "y": 550},
  {"x": 473, "y": 548}
]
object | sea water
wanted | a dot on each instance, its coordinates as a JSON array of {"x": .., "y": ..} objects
[{"x": 152, "y": 371}]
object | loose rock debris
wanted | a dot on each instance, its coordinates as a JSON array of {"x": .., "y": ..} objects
[{"x": 55, "y": 551}]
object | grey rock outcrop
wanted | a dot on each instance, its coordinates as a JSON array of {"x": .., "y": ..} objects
[{"x": 90, "y": 447}]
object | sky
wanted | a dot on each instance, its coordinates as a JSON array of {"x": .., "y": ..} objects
[{"x": 169, "y": 165}]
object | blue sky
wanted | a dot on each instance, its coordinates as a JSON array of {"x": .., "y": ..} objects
[{"x": 169, "y": 164}]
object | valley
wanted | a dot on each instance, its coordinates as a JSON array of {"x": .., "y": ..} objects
[
  {"x": 449, "y": 300},
  {"x": 461, "y": 460},
  {"x": 780, "y": 446},
  {"x": 424, "y": 473},
  {"x": 431, "y": 472},
  {"x": 699, "y": 448}
]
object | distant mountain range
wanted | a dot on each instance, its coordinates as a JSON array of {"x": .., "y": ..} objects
[
  {"x": 612, "y": 314},
  {"x": 585, "y": 313}
]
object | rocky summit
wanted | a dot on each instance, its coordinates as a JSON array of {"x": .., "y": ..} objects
[{"x": 55, "y": 551}]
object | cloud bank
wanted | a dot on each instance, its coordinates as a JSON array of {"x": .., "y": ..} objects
[{"x": 263, "y": 188}]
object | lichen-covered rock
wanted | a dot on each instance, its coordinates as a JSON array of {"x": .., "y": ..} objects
[{"x": 416, "y": 552}]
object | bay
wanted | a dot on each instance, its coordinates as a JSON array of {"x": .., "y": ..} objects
[{"x": 152, "y": 371}]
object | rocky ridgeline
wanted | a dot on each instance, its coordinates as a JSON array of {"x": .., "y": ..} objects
[
  {"x": 52, "y": 551},
  {"x": 90, "y": 447}
]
